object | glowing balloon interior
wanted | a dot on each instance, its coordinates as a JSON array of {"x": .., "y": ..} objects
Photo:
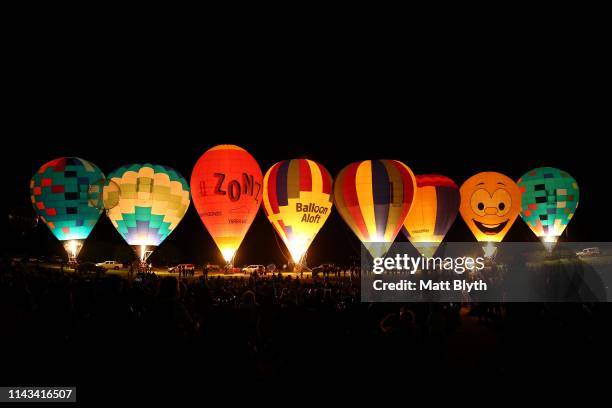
[
  {"x": 374, "y": 198},
  {"x": 433, "y": 212},
  {"x": 61, "y": 192},
  {"x": 149, "y": 202},
  {"x": 549, "y": 200},
  {"x": 226, "y": 185},
  {"x": 490, "y": 203},
  {"x": 297, "y": 200}
]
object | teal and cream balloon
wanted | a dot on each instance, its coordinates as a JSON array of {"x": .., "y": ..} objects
[
  {"x": 145, "y": 203},
  {"x": 549, "y": 201}
]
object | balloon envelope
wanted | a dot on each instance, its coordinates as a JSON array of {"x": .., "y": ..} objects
[
  {"x": 62, "y": 192},
  {"x": 148, "y": 202},
  {"x": 297, "y": 201},
  {"x": 490, "y": 203},
  {"x": 226, "y": 185},
  {"x": 433, "y": 212},
  {"x": 549, "y": 200},
  {"x": 374, "y": 198}
]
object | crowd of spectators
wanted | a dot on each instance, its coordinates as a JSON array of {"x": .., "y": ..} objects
[{"x": 239, "y": 328}]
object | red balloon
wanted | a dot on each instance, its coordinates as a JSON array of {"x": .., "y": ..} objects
[{"x": 226, "y": 186}]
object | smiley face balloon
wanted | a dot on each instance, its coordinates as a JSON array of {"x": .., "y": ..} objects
[{"x": 490, "y": 203}]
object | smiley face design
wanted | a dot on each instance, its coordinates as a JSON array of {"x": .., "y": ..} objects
[{"x": 490, "y": 203}]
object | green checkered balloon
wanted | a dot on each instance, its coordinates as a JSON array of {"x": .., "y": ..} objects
[
  {"x": 64, "y": 193},
  {"x": 549, "y": 200}
]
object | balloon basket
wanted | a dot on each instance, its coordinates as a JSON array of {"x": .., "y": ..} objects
[{"x": 73, "y": 263}]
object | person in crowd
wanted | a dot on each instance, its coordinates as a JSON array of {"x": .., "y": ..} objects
[
  {"x": 279, "y": 320},
  {"x": 169, "y": 319}
]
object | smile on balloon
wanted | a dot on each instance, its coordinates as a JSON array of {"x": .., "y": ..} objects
[{"x": 490, "y": 229}]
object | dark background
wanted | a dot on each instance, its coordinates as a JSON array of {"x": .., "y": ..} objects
[
  {"x": 465, "y": 105},
  {"x": 162, "y": 133},
  {"x": 453, "y": 100}
]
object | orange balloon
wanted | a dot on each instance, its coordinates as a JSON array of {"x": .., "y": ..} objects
[
  {"x": 226, "y": 187},
  {"x": 490, "y": 203}
]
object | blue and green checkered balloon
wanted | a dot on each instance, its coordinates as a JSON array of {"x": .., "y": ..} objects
[
  {"x": 65, "y": 193},
  {"x": 549, "y": 200}
]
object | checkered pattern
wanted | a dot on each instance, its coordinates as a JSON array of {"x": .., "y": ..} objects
[
  {"x": 146, "y": 202},
  {"x": 549, "y": 200},
  {"x": 64, "y": 192}
]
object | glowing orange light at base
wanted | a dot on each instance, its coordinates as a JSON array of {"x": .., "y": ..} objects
[
  {"x": 549, "y": 242},
  {"x": 143, "y": 252},
  {"x": 490, "y": 249},
  {"x": 73, "y": 247}
]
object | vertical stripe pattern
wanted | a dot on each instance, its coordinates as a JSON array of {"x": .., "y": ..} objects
[
  {"x": 434, "y": 210},
  {"x": 297, "y": 201},
  {"x": 374, "y": 198}
]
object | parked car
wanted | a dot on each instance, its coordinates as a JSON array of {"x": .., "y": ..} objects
[
  {"x": 589, "y": 252},
  {"x": 254, "y": 268},
  {"x": 110, "y": 265},
  {"x": 212, "y": 268},
  {"x": 182, "y": 268}
]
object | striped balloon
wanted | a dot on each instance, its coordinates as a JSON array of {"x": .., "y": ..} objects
[
  {"x": 433, "y": 212},
  {"x": 374, "y": 198},
  {"x": 148, "y": 204},
  {"x": 297, "y": 201}
]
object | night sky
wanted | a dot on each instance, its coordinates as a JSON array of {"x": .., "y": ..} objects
[
  {"x": 190, "y": 242},
  {"x": 457, "y": 122}
]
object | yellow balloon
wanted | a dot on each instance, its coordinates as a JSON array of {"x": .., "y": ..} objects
[
  {"x": 146, "y": 202},
  {"x": 297, "y": 200}
]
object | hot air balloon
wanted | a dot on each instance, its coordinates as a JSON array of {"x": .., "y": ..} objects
[
  {"x": 146, "y": 202},
  {"x": 62, "y": 192},
  {"x": 435, "y": 207},
  {"x": 297, "y": 200},
  {"x": 490, "y": 203},
  {"x": 226, "y": 185},
  {"x": 374, "y": 198},
  {"x": 549, "y": 200}
]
